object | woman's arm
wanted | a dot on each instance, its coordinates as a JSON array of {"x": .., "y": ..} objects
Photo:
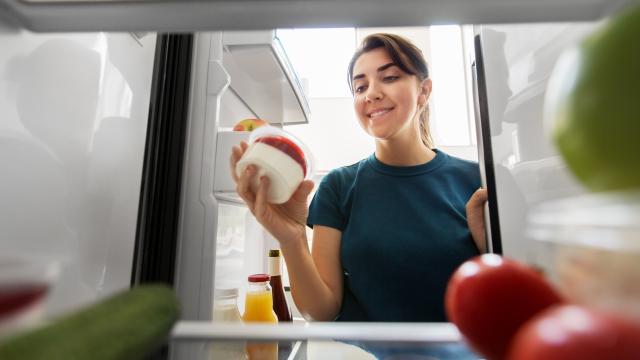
[
  {"x": 316, "y": 281},
  {"x": 475, "y": 218},
  {"x": 316, "y": 277}
]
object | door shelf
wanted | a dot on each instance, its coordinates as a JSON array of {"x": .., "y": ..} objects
[
  {"x": 263, "y": 77},
  {"x": 229, "y": 197}
]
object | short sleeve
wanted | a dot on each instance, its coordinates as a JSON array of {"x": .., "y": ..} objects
[{"x": 325, "y": 206}]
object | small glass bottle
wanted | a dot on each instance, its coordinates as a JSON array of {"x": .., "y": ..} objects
[
  {"x": 258, "y": 307},
  {"x": 258, "y": 304},
  {"x": 280, "y": 306}
]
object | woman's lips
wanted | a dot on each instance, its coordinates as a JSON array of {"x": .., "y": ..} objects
[{"x": 379, "y": 112}]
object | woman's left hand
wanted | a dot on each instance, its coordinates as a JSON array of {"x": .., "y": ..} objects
[{"x": 475, "y": 218}]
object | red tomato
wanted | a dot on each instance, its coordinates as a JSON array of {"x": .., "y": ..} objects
[
  {"x": 567, "y": 332},
  {"x": 489, "y": 297}
]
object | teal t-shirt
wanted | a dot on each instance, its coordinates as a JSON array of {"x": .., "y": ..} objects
[{"x": 404, "y": 232}]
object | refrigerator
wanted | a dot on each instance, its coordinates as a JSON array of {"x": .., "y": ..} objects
[{"x": 115, "y": 130}]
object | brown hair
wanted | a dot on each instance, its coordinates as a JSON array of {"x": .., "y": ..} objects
[{"x": 407, "y": 57}]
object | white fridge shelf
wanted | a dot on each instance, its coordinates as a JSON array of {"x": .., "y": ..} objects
[{"x": 436, "y": 333}]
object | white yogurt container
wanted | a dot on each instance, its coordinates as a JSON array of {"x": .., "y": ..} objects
[{"x": 279, "y": 156}]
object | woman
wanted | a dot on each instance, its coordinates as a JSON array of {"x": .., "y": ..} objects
[{"x": 388, "y": 231}]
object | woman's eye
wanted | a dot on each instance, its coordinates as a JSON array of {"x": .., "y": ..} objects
[
  {"x": 391, "y": 78},
  {"x": 359, "y": 89}
]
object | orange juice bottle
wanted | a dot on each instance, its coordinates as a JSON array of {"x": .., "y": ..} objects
[
  {"x": 258, "y": 305},
  {"x": 258, "y": 308}
]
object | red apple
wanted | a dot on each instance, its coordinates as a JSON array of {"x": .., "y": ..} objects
[{"x": 249, "y": 124}]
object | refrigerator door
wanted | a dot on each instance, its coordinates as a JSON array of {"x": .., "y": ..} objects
[
  {"x": 219, "y": 241},
  {"x": 520, "y": 166},
  {"x": 189, "y": 15},
  {"x": 73, "y": 123}
]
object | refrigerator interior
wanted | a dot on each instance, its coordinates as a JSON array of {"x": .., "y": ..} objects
[
  {"x": 46, "y": 136},
  {"x": 72, "y": 186}
]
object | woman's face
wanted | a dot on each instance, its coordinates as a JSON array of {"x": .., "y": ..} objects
[{"x": 386, "y": 99}]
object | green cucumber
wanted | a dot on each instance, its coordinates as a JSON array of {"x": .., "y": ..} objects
[{"x": 127, "y": 325}]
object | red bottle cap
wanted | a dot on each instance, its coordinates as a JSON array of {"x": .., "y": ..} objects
[{"x": 259, "y": 278}]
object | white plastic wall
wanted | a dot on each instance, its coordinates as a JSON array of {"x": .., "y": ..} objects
[{"x": 73, "y": 119}]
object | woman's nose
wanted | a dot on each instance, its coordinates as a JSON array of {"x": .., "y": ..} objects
[{"x": 373, "y": 93}]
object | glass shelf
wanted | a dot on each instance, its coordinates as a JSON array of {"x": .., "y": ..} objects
[{"x": 322, "y": 340}]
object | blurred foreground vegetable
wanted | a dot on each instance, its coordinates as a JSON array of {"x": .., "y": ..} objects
[
  {"x": 488, "y": 298},
  {"x": 575, "y": 332},
  {"x": 127, "y": 325},
  {"x": 593, "y": 105}
]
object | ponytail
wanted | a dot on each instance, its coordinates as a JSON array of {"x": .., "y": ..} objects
[{"x": 425, "y": 133}]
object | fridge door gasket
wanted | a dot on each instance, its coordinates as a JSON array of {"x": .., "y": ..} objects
[{"x": 485, "y": 152}]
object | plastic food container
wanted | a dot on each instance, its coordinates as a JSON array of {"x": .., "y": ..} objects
[
  {"x": 279, "y": 156},
  {"x": 225, "y": 306},
  {"x": 590, "y": 248},
  {"x": 24, "y": 284}
]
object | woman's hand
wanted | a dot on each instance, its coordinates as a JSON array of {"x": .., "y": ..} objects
[
  {"x": 475, "y": 218},
  {"x": 286, "y": 222}
]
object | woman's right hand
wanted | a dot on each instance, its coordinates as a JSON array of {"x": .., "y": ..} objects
[{"x": 286, "y": 222}]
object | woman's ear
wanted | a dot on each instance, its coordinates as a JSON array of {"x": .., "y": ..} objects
[{"x": 425, "y": 92}]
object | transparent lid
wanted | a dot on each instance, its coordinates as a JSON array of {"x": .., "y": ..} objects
[
  {"x": 608, "y": 220},
  {"x": 298, "y": 150}
]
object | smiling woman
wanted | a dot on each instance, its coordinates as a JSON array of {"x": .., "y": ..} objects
[
  {"x": 332, "y": 118},
  {"x": 383, "y": 224}
]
